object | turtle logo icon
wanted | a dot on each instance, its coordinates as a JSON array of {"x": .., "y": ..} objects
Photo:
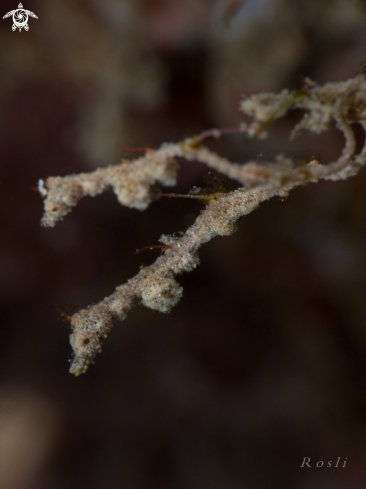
[{"x": 20, "y": 17}]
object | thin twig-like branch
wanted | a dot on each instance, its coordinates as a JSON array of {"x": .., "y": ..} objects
[{"x": 136, "y": 185}]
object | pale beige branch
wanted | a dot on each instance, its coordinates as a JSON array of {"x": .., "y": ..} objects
[{"x": 136, "y": 185}]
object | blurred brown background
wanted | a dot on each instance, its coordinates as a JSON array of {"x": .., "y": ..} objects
[{"x": 263, "y": 362}]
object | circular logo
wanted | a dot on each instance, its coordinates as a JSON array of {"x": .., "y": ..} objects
[{"x": 20, "y": 18}]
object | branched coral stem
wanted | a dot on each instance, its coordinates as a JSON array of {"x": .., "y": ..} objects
[{"x": 136, "y": 184}]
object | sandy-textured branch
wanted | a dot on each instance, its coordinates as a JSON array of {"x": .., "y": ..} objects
[
  {"x": 136, "y": 185},
  {"x": 155, "y": 286}
]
